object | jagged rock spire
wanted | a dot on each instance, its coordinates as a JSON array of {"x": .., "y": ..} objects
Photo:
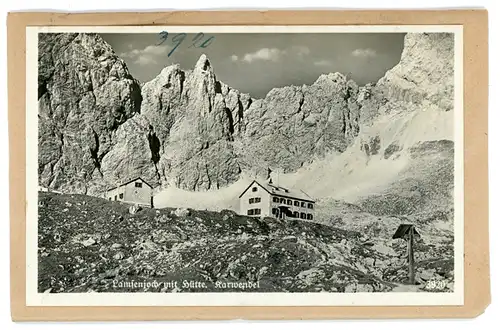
[{"x": 203, "y": 64}]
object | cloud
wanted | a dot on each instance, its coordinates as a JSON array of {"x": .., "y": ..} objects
[
  {"x": 271, "y": 54},
  {"x": 264, "y": 54},
  {"x": 301, "y": 51},
  {"x": 323, "y": 63},
  {"x": 145, "y": 60},
  {"x": 366, "y": 52},
  {"x": 147, "y": 55}
]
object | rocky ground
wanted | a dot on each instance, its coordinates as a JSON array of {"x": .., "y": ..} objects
[{"x": 88, "y": 244}]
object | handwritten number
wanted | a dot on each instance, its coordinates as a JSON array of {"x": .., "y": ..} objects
[
  {"x": 178, "y": 39},
  {"x": 163, "y": 36},
  {"x": 207, "y": 42},
  {"x": 196, "y": 39},
  {"x": 204, "y": 44}
]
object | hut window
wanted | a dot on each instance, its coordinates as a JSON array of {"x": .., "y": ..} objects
[
  {"x": 121, "y": 196},
  {"x": 250, "y": 212},
  {"x": 257, "y": 211},
  {"x": 282, "y": 201},
  {"x": 295, "y": 214},
  {"x": 138, "y": 184},
  {"x": 275, "y": 211},
  {"x": 309, "y": 217},
  {"x": 276, "y": 199},
  {"x": 303, "y": 204},
  {"x": 251, "y": 201},
  {"x": 302, "y": 215},
  {"x": 115, "y": 197},
  {"x": 254, "y": 189},
  {"x": 310, "y": 206},
  {"x": 296, "y": 203},
  {"x": 257, "y": 200},
  {"x": 289, "y": 202}
]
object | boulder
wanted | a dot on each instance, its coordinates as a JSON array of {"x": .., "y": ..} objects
[
  {"x": 181, "y": 212},
  {"x": 163, "y": 218},
  {"x": 426, "y": 274},
  {"x": 369, "y": 261},
  {"x": 88, "y": 242},
  {"x": 134, "y": 209}
]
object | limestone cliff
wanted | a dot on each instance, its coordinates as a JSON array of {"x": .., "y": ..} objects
[
  {"x": 293, "y": 125},
  {"x": 85, "y": 93},
  {"x": 195, "y": 119},
  {"x": 423, "y": 79}
]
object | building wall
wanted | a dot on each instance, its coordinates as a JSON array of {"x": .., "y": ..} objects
[
  {"x": 264, "y": 205},
  {"x": 110, "y": 195},
  {"x": 141, "y": 196},
  {"x": 131, "y": 194}
]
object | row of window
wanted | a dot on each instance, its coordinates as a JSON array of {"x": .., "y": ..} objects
[
  {"x": 253, "y": 212},
  {"x": 295, "y": 214},
  {"x": 254, "y": 200},
  {"x": 290, "y": 202},
  {"x": 117, "y": 196}
]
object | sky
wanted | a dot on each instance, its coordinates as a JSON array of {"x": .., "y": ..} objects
[{"x": 255, "y": 63}]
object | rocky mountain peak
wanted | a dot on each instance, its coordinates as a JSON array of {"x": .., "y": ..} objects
[
  {"x": 203, "y": 64},
  {"x": 334, "y": 77}
]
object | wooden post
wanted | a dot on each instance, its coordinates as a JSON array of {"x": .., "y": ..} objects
[{"x": 411, "y": 260}]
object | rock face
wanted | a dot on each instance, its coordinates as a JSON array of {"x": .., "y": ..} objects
[
  {"x": 424, "y": 78},
  {"x": 194, "y": 119},
  {"x": 292, "y": 125},
  {"x": 409, "y": 115},
  {"x": 85, "y": 93},
  {"x": 134, "y": 153},
  {"x": 184, "y": 128},
  {"x": 209, "y": 133}
]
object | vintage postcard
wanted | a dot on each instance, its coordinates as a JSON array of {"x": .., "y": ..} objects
[
  {"x": 313, "y": 166},
  {"x": 279, "y": 165}
]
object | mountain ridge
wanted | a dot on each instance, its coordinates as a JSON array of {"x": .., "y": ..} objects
[
  {"x": 153, "y": 136},
  {"x": 196, "y": 133}
]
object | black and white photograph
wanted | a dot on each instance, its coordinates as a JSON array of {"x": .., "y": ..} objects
[{"x": 180, "y": 161}]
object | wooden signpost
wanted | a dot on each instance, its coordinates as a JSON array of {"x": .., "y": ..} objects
[{"x": 408, "y": 232}]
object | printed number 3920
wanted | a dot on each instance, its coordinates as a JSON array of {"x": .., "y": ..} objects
[
  {"x": 198, "y": 41},
  {"x": 435, "y": 285}
]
